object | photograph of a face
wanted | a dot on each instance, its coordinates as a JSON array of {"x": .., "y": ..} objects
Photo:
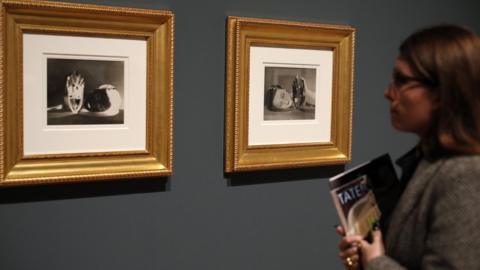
[
  {"x": 289, "y": 93},
  {"x": 85, "y": 92}
]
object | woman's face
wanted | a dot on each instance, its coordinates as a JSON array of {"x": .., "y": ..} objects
[
  {"x": 282, "y": 99},
  {"x": 411, "y": 103}
]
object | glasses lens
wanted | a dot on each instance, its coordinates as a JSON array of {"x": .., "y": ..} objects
[{"x": 400, "y": 79}]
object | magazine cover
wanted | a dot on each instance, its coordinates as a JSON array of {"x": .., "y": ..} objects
[{"x": 365, "y": 194}]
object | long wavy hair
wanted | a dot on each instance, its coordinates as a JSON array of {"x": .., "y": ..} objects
[{"x": 447, "y": 59}]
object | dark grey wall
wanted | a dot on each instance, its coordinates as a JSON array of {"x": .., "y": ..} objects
[{"x": 198, "y": 218}]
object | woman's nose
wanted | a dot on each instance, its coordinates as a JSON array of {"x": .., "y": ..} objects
[{"x": 388, "y": 93}]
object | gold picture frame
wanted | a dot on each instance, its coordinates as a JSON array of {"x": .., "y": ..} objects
[
  {"x": 264, "y": 52},
  {"x": 84, "y": 34}
]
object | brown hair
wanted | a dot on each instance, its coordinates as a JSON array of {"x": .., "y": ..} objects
[{"x": 447, "y": 59}]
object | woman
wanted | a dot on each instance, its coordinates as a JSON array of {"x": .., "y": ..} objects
[{"x": 435, "y": 93}]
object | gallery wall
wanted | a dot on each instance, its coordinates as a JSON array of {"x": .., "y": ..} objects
[{"x": 200, "y": 218}]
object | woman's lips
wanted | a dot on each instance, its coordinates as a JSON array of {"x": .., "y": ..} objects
[{"x": 393, "y": 112}]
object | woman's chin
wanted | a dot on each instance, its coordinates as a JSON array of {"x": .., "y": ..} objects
[{"x": 396, "y": 124}]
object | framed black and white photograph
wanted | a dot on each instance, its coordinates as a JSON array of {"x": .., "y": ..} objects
[
  {"x": 89, "y": 92},
  {"x": 85, "y": 91},
  {"x": 289, "y": 94}
]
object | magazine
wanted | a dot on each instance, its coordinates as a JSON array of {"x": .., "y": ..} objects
[{"x": 365, "y": 195}]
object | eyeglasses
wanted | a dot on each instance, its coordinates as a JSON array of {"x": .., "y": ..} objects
[{"x": 399, "y": 79}]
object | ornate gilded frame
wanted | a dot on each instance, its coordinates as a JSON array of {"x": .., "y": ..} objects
[
  {"x": 156, "y": 27},
  {"x": 243, "y": 33}
]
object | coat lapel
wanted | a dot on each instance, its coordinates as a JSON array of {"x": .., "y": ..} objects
[{"x": 409, "y": 199}]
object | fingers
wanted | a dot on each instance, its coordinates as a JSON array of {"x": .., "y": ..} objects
[
  {"x": 349, "y": 241},
  {"x": 377, "y": 236},
  {"x": 372, "y": 250},
  {"x": 376, "y": 240},
  {"x": 352, "y": 252},
  {"x": 349, "y": 249},
  {"x": 352, "y": 262},
  {"x": 355, "y": 266},
  {"x": 340, "y": 230}
]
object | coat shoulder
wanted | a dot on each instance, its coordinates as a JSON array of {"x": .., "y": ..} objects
[{"x": 460, "y": 170}]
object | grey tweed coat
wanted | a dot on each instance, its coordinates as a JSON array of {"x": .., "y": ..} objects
[{"x": 436, "y": 223}]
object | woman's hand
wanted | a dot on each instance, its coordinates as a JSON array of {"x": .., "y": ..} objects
[
  {"x": 355, "y": 251},
  {"x": 372, "y": 250},
  {"x": 349, "y": 249}
]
